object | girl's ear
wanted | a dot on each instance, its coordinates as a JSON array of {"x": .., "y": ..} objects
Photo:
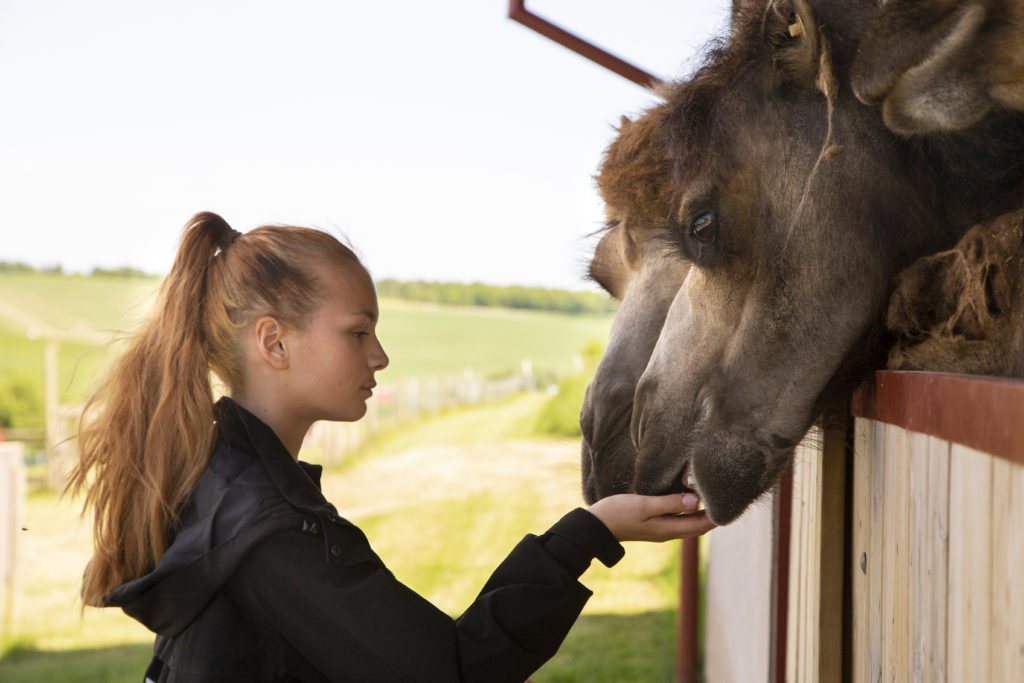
[{"x": 270, "y": 342}]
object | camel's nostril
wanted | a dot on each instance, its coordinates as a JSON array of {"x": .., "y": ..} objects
[
  {"x": 705, "y": 407},
  {"x": 781, "y": 442}
]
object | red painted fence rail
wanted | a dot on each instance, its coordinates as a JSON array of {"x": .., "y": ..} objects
[{"x": 984, "y": 413}]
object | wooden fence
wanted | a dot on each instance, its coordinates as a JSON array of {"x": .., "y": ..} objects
[
  {"x": 895, "y": 550},
  {"x": 409, "y": 399},
  {"x": 12, "y": 496}
]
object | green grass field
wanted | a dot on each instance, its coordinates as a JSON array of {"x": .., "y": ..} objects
[
  {"x": 442, "y": 503},
  {"x": 80, "y": 313},
  {"x": 85, "y": 313}
]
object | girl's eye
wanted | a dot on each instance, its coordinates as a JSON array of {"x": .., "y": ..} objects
[{"x": 703, "y": 228}]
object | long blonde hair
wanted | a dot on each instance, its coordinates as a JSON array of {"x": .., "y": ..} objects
[{"x": 146, "y": 433}]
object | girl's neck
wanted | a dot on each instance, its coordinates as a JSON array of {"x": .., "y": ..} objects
[{"x": 288, "y": 431}]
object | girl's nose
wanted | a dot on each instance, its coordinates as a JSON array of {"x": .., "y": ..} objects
[{"x": 379, "y": 358}]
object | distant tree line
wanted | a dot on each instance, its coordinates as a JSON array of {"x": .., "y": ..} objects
[
  {"x": 477, "y": 294},
  {"x": 453, "y": 293},
  {"x": 21, "y": 267}
]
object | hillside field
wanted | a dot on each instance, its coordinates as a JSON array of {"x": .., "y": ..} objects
[{"x": 83, "y": 314}]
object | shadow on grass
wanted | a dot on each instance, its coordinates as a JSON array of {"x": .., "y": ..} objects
[
  {"x": 117, "y": 664},
  {"x": 616, "y": 648},
  {"x": 601, "y": 648}
]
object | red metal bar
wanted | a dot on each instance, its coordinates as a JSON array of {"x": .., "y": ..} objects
[
  {"x": 517, "y": 12},
  {"x": 687, "y": 616},
  {"x": 984, "y": 413}
]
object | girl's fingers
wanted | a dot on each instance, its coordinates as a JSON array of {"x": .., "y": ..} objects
[
  {"x": 632, "y": 517},
  {"x": 672, "y": 504},
  {"x": 681, "y": 526}
]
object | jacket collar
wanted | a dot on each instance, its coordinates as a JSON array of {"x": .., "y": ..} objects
[
  {"x": 299, "y": 485},
  {"x": 191, "y": 572}
]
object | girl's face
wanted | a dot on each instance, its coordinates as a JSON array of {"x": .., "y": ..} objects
[{"x": 332, "y": 362}]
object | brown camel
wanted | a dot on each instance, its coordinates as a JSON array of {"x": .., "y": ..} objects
[{"x": 794, "y": 208}]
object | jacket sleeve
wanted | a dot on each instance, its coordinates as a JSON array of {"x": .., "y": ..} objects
[{"x": 345, "y": 614}]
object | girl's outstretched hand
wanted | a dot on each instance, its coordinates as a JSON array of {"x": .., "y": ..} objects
[{"x": 652, "y": 518}]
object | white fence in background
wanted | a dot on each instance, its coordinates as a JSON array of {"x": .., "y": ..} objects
[
  {"x": 405, "y": 400},
  {"x": 409, "y": 399},
  {"x": 12, "y": 513}
]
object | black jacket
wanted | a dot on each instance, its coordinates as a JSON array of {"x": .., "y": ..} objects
[{"x": 264, "y": 581}]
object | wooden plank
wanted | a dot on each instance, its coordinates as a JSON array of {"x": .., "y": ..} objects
[
  {"x": 1007, "y": 653},
  {"x": 875, "y": 559},
  {"x": 812, "y": 601},
  {"x": 895, "y": 561},
  {"x": 782, "y": 553},
  {"x": 929, "y": 555},
  {"x": 796, "y": 570},
  {"x": 831, "y": 553},
  {"x": 737, "y": 596},
  {"x": 13, "y": 489},
  {"x": 970, "y": 565},
  {"x": 919, "y": 544},
  {"x": 863, "y": 446},
  {"x": 802, "y": 639},
  {"x": 815, "y": 634}
]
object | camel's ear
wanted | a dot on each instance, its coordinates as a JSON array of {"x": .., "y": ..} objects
[
  {"x": 611, "y": 260},
  {"x": 919, "y": 60},
  {"x": 796, "y": 43}
]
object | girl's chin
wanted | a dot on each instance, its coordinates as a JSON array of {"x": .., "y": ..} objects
[{"x": 355, "y": 413}]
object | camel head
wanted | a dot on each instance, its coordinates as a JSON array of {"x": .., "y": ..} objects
[
  {"x": 789, "y": 208},
  {"x": 633, "y": 265}
]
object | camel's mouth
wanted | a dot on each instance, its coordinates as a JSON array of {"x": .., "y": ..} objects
[{"x": 689, "y": 482}]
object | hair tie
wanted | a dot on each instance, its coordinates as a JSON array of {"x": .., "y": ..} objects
[{"x": 231, "y": 237}]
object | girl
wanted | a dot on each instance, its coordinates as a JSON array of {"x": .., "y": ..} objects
[{"x": 208, "y": 530}]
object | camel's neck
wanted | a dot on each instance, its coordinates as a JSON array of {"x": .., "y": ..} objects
[{"x": 981, "y": 169}]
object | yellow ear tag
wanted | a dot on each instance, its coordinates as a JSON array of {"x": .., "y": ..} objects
[{"x": 797, "y": 27}]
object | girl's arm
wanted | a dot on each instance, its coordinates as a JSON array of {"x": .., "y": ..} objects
[{"x": 351, "y": 619}]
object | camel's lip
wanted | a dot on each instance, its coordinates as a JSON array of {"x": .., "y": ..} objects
[{"x": 664, "y": 481}]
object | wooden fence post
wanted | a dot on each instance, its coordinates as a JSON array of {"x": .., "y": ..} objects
[
  {"x": 815, "y": 620},
  {"x": 12, "y": 504}
]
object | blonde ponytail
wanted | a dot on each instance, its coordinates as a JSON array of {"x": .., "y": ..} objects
[{"x": 147, "y": 432}]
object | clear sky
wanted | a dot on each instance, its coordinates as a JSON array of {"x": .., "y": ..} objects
[{"x": 446, "y": 141}]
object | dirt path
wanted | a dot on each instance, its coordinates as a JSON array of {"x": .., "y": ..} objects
[{"x": 446, "y": 472}]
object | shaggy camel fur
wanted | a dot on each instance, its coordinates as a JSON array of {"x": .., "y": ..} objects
[{"x": 959, "y": 310}]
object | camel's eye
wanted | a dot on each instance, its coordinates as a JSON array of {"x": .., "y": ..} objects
[{"x": 703, "y": 227}]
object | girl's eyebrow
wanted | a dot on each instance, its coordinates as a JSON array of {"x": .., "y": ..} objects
[{"x": 368, "y": 314}]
